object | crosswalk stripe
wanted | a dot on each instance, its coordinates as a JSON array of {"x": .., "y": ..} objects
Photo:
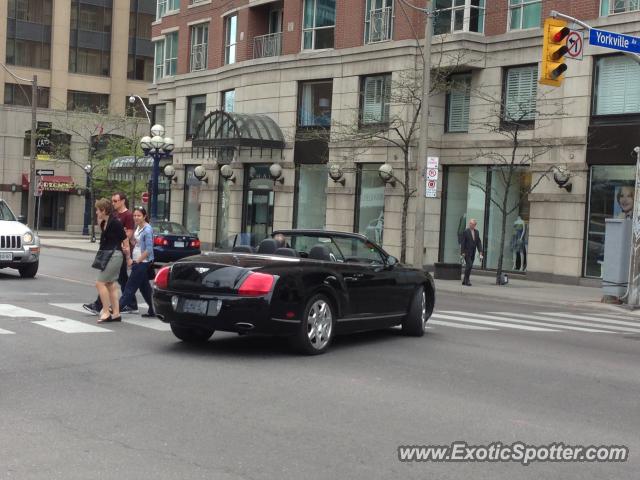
[
  {"x": 489, "y": 322},
  {"x": 543, "y": 322},
  {"x": 548, "y": 318},
  {"x": 152, "y": 323},
  {"x": 597, "y": 319},
  {"x": 458, "y": 325},
  {"x": 50, "y": 321},
  {"x": 6, "y": 332}
]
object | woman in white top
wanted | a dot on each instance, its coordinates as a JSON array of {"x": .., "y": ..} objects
[{"x": 140, "y": 261}]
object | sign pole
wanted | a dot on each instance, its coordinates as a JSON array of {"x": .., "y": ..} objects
[
  {"x": 32, "y": 160},
  {"x": 633, "y": 287}
]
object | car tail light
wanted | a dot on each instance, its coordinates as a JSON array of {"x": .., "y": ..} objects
[
  {"x": 195, "y": 243},
  {"x": 160, "y": 242},
  {"x": 256, "y": 284},
  {"x": 162, "y": 277}
]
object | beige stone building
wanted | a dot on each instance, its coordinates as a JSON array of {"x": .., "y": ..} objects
[{"x": 86, "y": 54}]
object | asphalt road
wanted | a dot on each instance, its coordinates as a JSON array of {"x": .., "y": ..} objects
[{"x": 132, "y": 402}]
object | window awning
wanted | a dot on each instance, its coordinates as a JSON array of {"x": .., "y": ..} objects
[
  {"x": 220, "y": 130},
  {"x": 130, "y": 162},
  {"x": 52, "y": 183}
]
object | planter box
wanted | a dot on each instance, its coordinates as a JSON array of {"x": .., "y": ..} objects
[{"x": 447, "y": 271}]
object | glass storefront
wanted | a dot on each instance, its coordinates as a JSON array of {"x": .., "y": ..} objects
[
  {"x": 370, "y": 213},
  {"x": 611, "y": 195},
  {"x": 466, "y": 198},
  {"x": 191, "y": 209},
  {"x": 258, "y": 203},
  {"x": 222, "y": 216},
  {"x": 311, "y": 196}
]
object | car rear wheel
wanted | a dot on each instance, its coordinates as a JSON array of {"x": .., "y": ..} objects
[
  {"x": 191, "y": 334},
  {"x": 415, "y": 323},
  {"x": 29, "y": 271},
  {"x": 317, "y": 329}
]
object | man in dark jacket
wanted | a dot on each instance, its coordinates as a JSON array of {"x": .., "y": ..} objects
[{"x": 470, "y": 243}]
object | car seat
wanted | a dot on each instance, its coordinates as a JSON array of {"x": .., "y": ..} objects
[
  {"x": 320, "y": 252},
  {"x": 268, "y": 246},
  {"x": 287, "y": 252}
]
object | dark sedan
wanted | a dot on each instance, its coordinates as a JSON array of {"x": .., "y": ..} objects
[
  {"x": 309, "y": 285},
  {"x": 171, "y": 242}
]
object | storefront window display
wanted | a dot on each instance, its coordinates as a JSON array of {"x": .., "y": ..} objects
[
  {"x": 370, "y": 213},
  {"x": 311, "y": 196},
  {"x": 611, "y": 195},
  {"x": 191, "y": 210}
]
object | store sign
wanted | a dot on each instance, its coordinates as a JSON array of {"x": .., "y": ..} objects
[{"x": 44, "y": 146}]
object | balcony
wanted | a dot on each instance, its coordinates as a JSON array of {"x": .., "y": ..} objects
[
  {"x": 380, "y": 20},
  {"x": 267, "y": 45},
  {"x": 198, "y": 57}
]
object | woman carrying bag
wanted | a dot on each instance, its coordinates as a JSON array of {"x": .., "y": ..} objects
[
  {"x": 109, "y": 260},
  {"x": 140, "y": 262}
]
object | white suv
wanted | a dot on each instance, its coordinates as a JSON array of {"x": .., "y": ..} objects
[{"x": 19, "y": 246}]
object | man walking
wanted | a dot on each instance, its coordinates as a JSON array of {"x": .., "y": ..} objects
[
  {"x": 119, "y": 201},
  {"x": 470, "y": 243}
]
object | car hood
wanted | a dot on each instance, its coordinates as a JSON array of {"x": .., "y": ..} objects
[{"x": 13, "y": 228}]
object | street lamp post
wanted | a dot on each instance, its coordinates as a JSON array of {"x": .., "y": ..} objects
[
  {"x": 157, "y": 146},
  {"x": 88, "y": 205}
]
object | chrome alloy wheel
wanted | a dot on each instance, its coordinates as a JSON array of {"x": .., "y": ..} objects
[
  {"x": 319, "y": 324},
  {"x": 423, "y": 310}
]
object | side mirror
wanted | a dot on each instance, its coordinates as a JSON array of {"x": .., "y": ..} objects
[
  {"x": 391, "y": 261},
  {"x": 22, "y": 219}
]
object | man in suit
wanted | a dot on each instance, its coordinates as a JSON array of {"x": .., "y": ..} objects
[{"x": 470, "y": 243}]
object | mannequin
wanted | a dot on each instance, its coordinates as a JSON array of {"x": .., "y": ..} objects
[{"x": 519, "y": 244}]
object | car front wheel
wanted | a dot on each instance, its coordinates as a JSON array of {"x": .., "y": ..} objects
[
  {"x": 317, "y": 329},
  {"x": 191, "y": 334},
  {"x": 415, "y": 323},
  {"x": 29, "y": 271}
]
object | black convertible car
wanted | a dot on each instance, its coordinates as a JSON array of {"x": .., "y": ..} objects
[{"x": 309, "y": 285}]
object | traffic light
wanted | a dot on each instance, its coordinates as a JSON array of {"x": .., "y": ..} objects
[{"x": 554, "y": 48}]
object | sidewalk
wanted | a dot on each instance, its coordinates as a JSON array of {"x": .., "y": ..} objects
[{"x": 517, "y": 290}]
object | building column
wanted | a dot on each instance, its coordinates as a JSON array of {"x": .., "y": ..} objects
[
  {"x": 119, "y": 56},
  {"x": 60, "y": 29},
  {"x": 4, "y": 11}
]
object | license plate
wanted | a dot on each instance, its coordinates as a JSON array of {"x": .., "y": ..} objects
[
  {"x": 178, "y": 244},
  {"x": 199, "y": 307},
  {"x": 6, "y": 256}
]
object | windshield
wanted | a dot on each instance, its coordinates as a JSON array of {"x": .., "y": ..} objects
[
  {"x": 341, "y": 249},
  {"x": 169, "y": 228},
  {"x": 5, "y": 213}
]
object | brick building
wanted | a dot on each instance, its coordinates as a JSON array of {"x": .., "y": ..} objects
[{"x": 270, "y": 86}]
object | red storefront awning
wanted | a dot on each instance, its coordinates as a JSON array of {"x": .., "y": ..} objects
[{"x": 52, "y": 183}]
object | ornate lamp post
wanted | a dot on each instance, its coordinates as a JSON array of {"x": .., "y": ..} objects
[
  {"x": 157, "y": 146},
  {"x": 88, "y": 205}
]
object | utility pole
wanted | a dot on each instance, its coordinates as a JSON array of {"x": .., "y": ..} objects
[
  {"x": 421, "y": 161},
  {"x": 31, "y": 201}
]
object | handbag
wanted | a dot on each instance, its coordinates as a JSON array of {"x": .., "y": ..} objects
[{"x": 102, "y": 259}]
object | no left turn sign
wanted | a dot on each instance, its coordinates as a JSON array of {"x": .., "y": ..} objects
[{"x": 575, "y": 45}]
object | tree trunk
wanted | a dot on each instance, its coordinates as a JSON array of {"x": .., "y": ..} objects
[
  {"x": 503, "y": 227},
  {"x": 405, "y": 207}
]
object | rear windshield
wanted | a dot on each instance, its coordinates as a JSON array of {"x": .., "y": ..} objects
[
  {"x": 167, "y": 228},
  {"x": 5, "y": 213}
]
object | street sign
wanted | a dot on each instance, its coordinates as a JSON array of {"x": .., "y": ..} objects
[
  {"x": 45, "y": 172},
  {"x": 431, "y": 190},
  {"x": 432, "y": 162},
  {"x": 575, "y": 45},
  {"x": 615, "y": 41},
  {"x": 432, "y": 174},
  {"x": 39, "y": 189},
  {"x": 145, "y": 197}
]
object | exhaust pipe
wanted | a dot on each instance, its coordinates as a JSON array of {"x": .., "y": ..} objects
[{"x": 245, "y": 326}]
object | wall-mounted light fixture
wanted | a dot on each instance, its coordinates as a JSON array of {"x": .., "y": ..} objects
[
  {"x": 275, "y": 170},
  {"x": 336, "y": 174},
  {"x": 562, "y": 176},
  {"x": 201, "y": 173},
  {"x": 386, "y": 174},
  {"x": 226, "y": 172}
]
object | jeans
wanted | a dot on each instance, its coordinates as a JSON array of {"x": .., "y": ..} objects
[
  {"x": 122, "y": 281},
  {"x": 138, "y": 280}
]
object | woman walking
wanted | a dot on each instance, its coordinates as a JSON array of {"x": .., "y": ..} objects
[
  {"x": 139, "y": 261},
  {"x": 113, "y": 235}
]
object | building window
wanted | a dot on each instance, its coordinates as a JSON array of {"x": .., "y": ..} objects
[
  {"x": 611, "y": 195},
  {"x": 136, "y": 109},
  {"x": 609, "y": 7},
  {"x": 375, "y": 91},
  {"x": 311, "y": 196},
  {"x": 196, "y": 107},
  {"x": 458, "y": 16},
  {"x": 139, "y": 62},
  {"x": 228, "y": 100},
  {"x": 314, "y": 104},
  {"x": 32, "y": 11},
  {"x": 158, "y": 113},
  {"x": 616, "y": 89},
  {"x": 90, "y": 17},
  {"x": 230, "y": 35},
  {"x": 524, "y": 14},
  {"x": 458, "y": 101},
  {"x": 85, "y": 101},
  {"x": 89, "y": 61},
  {"x": 21, "y": 95},
  {"x": 378, "y": 21},
  {"x": 318, "y": 24},
  {"x": 222, "y": 214},
  {"x": 166, "y": 56},
  {"x": 519, "y": 97},
  {"x": 370, "y": 202},
  {"x": 165, "y": 7},
  {"x": 140, "y": 68},
  {"x": 199, "y": 40},
  {"x": 191, "y": 210}
]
